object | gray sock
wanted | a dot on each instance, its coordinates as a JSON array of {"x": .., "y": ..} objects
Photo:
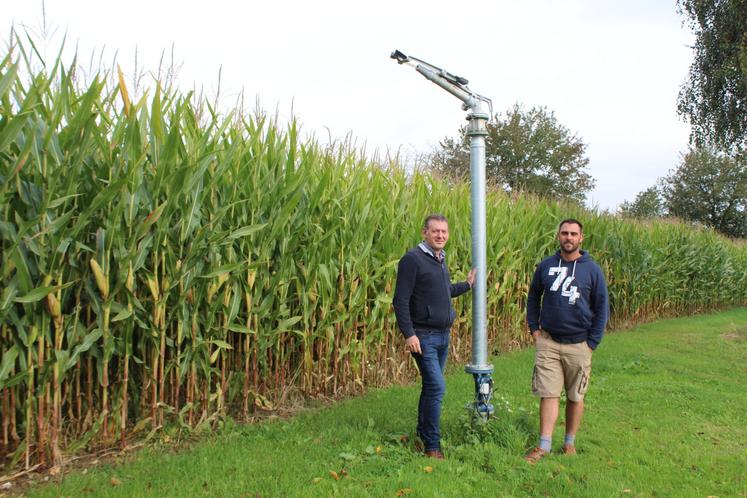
[
  {"x": 546, "y": 443},
  {"x": 570, "y": 440}
]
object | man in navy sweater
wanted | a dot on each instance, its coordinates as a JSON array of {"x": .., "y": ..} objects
[
  {"x": 422, "y": 304},
  {"x": 567, "y": 327}
]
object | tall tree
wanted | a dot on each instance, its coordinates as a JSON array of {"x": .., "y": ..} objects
[
  {"x": 710, "y": 188},
  {"x": 525, "y": 151},
  {"x": 714, "y": 99},
  {"x": 647, "y": 204}
]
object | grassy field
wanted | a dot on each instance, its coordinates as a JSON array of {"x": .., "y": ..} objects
[{"x": 665, "y": 417}]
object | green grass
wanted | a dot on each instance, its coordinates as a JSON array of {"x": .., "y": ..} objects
[{"x": 665, "y": 417}]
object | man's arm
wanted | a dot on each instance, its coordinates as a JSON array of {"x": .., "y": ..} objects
[
  {"x": 600, "y": 307},
  {"x": 406, "y": 276},
  {"x": 534, "y": 297},
  {"x": 461, "y": 287}
]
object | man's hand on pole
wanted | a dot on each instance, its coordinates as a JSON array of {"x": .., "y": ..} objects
[
  {"x": 412, "y": 344},
  {"x": 471, "y": 277}
]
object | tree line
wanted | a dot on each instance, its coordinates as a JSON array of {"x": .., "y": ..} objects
[
  {"x": 709, "y": 186},
  {"x": 529, "y": 150}
]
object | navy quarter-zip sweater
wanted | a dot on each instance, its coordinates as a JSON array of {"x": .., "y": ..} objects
[
  {"x": 422, "y": 297},
  {"x": 574, "y": 303}
]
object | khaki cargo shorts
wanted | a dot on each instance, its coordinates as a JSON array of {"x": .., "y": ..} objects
[{"x": 559, "y": 365}]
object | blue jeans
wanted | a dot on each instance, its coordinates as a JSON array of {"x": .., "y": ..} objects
[{"x": 434, "y": 345}]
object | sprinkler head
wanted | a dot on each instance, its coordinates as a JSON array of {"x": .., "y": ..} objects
[{"x": 400, "y": 57}]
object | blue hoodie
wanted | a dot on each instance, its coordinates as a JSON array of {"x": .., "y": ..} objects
[{"x": 575, "y": 306}]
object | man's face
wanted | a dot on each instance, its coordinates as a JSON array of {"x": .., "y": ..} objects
[
  {"x": 570, "y": 237},
  {"x": 436, "y": 234}
]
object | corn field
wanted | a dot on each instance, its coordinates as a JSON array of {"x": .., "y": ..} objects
[{"x": 163, "y": 264}]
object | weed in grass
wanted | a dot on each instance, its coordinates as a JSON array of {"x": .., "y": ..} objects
[{"x": 504, "y": 429}]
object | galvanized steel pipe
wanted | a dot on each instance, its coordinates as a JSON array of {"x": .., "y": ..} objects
[{"x": 477, "y": 130}]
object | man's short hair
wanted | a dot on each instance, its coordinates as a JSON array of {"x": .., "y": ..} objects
[
  {"x": 433, "y": 217},
  {"x": 571, "y": 220}
]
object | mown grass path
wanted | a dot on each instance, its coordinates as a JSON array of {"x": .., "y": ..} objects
[{"x": 665, "y": 417}]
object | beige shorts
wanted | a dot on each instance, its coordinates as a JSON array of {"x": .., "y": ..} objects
[{"x": 559, "y": 365}]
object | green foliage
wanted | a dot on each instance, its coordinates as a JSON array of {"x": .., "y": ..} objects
[
  {"x": 714, "y": 98},
  {"x": 709, "y": 188},
  {"x": 526, "y": 151},
  {"x": 647, "y": 204},
  {"x": 163, "y": 263}
]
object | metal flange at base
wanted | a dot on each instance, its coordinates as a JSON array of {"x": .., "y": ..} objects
[{"x": 479, "y": 369}]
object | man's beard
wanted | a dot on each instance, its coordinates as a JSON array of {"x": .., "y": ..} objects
[{"x": 573, "y": 248}]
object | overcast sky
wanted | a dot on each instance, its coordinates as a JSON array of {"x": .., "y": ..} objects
[{"x": 609, "y": 69}]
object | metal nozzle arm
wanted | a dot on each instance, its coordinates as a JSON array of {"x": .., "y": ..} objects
[{"x": 455, "y": 85}]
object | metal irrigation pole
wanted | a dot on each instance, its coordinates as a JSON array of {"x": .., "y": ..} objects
[{"x": 477, "y": 117}]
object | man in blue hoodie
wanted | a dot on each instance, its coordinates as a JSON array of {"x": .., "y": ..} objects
[
  {"x": 567, "y": 311},
  {"x": 422, "y": 304}
]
